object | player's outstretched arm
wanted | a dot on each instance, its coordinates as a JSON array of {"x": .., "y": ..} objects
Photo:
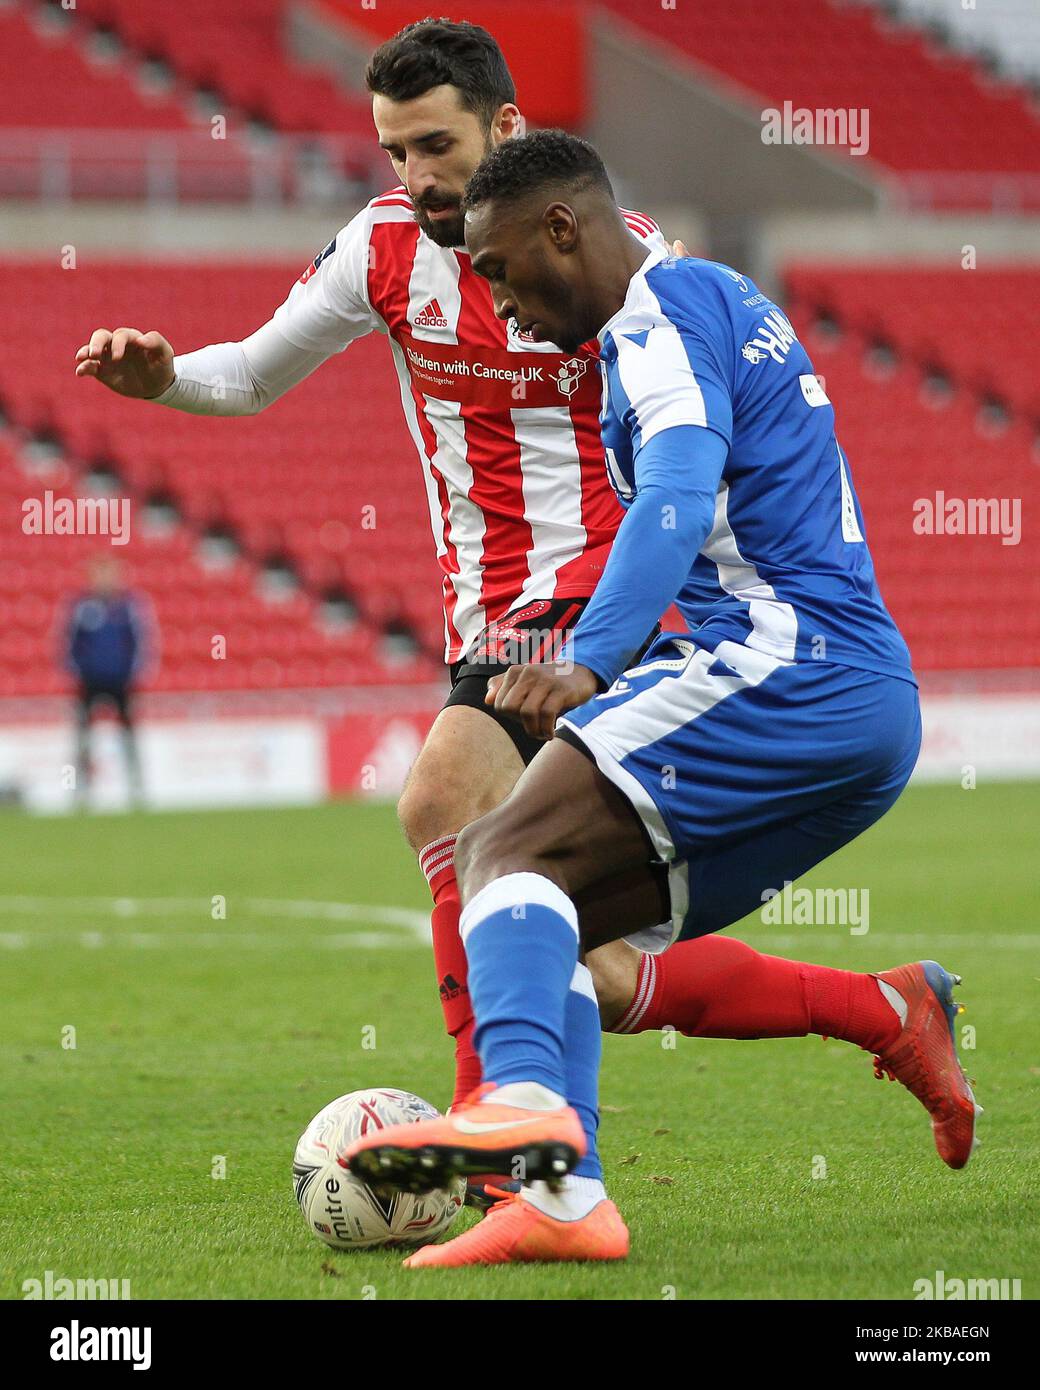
[
  {"x": 327, "y": 309},
  {"x": 127, "y": 361},
  {"x": 221, "y": 379}
]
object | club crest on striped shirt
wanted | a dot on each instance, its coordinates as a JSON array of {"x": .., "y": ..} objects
[{"x": 569, "y": 374}]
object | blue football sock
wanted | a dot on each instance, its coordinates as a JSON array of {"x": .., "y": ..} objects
[
  {"x": 521, "y": 938},
  {"x": 582, "y": 1048}
]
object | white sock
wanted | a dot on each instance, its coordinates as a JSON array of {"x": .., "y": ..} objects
[
  {"x": 575, "y": 1199},
  {"x": 525, "y": 1095}
]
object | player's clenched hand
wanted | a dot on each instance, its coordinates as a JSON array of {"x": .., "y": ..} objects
[
  {"x": 128, "y": 361},
  {"x": 537, "y": 695}
]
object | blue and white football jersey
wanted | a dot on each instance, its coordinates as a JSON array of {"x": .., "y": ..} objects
[{"x": 783, "y": 566}]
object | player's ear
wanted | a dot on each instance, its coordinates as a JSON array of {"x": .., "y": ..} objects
[
  {"x": 562, "y": 226},
  {"x": 506, "y": 123}
]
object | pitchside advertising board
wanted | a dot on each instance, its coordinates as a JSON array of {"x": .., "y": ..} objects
[
  {"x": 218, "y": 762},
  {"x": 256, "y": 761}
]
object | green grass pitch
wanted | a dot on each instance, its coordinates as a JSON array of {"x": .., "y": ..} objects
[{"x": 198, "y": 1037}]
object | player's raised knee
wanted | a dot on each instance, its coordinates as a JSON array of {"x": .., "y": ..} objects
[
  {"x": 459, "y": 775},
  {"x": 435, "y": 802}
]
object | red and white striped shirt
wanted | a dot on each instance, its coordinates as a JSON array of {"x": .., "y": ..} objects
[{"x": 507, "y": 430}]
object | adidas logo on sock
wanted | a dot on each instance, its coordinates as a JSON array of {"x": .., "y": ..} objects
[
  {"x": 430, "y": 317},
  {"x": 450, "y": 987}
]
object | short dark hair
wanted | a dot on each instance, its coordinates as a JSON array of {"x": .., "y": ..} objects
[
  {"x": 527, "y": 163},
  {"x": 432, "y": 52}
]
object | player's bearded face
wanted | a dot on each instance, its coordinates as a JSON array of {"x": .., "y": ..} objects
[
  {"x": 438, "y": 210},
  {"x": 434, "y": 143}
]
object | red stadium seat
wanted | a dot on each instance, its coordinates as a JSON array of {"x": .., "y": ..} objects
[
  {"x": 902, "y": 452},
  {"x": 239, "y": 50},
  {"x": 48, "y": 82},
  {"x": 924, "y": 312},
  {"x": 293, "y": 480}
]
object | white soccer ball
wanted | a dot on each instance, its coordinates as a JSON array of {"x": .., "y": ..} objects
[{"x": 349, "y": 1214}]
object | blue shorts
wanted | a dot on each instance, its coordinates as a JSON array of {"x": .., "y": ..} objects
[{"x": 746, "y": 770}]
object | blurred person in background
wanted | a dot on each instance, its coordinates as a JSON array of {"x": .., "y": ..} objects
[{"x": 109, "y": 644}]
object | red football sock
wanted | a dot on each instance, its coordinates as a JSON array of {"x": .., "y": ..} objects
[
  {"x": 718, "y": 987},
  {"x": 449, "y": 956}
]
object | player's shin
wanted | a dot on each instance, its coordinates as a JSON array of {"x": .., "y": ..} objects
[
  {"x": 718, "y": 987},
  {"x": 521, "y": 938},
  {"x": 438, "y": 864}
]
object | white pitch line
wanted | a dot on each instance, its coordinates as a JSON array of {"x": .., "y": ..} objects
[
  {"x": 415, "y": 923},
  {"x": 152, "y": 941},
  {"x": 40, "y": 905}
]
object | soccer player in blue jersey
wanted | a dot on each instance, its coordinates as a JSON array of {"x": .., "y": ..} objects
[{"x": 740, "y": 753}]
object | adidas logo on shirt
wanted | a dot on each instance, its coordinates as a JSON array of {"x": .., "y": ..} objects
[{"x": 430, "y": 317}]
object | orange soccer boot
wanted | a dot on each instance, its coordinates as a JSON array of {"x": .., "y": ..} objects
[
  {"x": 483, "y": 1135},
  {"x": 515, "y": 1231},
  {"x": 924, "y": 1056}
]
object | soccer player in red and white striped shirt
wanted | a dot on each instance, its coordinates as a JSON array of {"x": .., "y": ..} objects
[{"x": 505, "y": 426}]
